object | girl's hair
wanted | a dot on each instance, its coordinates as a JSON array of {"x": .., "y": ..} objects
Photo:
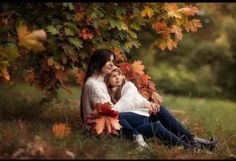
[
  {"x": 115, "y": 95},
  {"x": 98, "y": 59}
]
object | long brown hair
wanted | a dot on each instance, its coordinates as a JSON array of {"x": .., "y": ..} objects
[
  {"x": 96, "y": 62},
  {"x": 115, "y": 95}
]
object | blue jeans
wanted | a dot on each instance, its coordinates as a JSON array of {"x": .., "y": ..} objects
[{"x": 162, "y": 125}]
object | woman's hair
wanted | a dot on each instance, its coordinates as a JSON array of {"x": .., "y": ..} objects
[
  {"x": 98, "y": 59},
  {"x": 96, "y": 62},
  {"x": 115, "y": 95}
]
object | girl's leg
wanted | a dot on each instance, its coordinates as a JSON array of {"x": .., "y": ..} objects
[
  {"x": 127, "y": 120},
  {"x": 158, "y": 130},
  {"x": 134, "y": 119},
  {"x": 127, "y": 129},
  {"x": 172, "y": 124}
]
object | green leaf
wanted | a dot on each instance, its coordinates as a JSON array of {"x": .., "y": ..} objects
[
  {"x": 115, "y": 23},
  {"x": 77, "y": 42},
  {"x": 69, "y": 5},
  {"x": 9, "y": 52},
  {"x": 68, "y": 32},
  {"x": 52, "y": 29}
]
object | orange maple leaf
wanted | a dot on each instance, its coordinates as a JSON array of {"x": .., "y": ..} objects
[
  {"x": 31, "y": 40},
  {"x": 30, "y": 76},
  {"x": 61, "y": 76},
  {"x": 61, "y": 130},
  {"x": 192, "y": 25},
  {"x": 149, "y": 12},
  {"x": 158, "y": 26},
  {"x": 4, "y": 73},
  {"x": 189, "y": 10},
  {"x": 100, "y": 124},
  {"x": 85, "y": 34},
  {"x": 177, "y": 31},
  {"x": 137, "y": 67},
  {"x": 103, "y": 119},
  {"x": 118, "y": 54},
  {"x": 80, "y": 76}
]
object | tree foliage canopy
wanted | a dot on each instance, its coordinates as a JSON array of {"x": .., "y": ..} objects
[{"x": 51, "y": 38}]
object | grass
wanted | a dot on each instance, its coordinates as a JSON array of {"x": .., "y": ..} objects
[{"x": 26, "y": 128}]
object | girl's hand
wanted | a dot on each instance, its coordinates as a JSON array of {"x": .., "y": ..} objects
[
  {"x": 153, "y": 108},
  {"x": 157, "y": 98}
]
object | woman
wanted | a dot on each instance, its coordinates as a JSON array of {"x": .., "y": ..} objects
[
  {"x": 150, "y": 121},
  {"x": 94, "y": 90}
]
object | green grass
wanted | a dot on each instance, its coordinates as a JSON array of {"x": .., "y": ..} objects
[{"x": 27, "y": 125}]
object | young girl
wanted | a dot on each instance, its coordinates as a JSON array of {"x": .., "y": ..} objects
[{"x": 148, "y": 121}]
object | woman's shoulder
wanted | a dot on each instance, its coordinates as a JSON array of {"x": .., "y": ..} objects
[{"x": 91, "y": 82}]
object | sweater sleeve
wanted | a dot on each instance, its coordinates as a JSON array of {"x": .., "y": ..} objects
[
  {"x": 130, "y": 99},
  {"x": 98, "y": 94}
]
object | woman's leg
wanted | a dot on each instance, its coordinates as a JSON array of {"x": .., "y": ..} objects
[
  {"x": 172, "y": 124},
  {"x": 158, "y": 130}
]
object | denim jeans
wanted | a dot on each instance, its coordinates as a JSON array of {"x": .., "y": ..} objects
[{"x": 162, "y": 125}]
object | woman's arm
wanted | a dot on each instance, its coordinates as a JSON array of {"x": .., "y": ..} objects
[{"x": 97, "y": 94}]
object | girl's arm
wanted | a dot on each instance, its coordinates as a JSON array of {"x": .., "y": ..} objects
[{"x": 130, "y": 99}]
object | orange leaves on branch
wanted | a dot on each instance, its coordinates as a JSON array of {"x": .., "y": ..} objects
[
  {"x": 85, "y": 34},
  {"x": 61, "y": 76},
  {"x": 189, "y": 10},
  {"x": 80, "y": 76},
  {"x": 174, "y": 22},
  {"x": 147, "y": 12},
  {"x": 4, "y": 74},
  {"x": 30, "y": 76},
  {"x": 61, "y": 130},
  {"x": 79, "y": 16},
  {"x": 171, "y": 44},
  {"x": 105, "y": 119},
  {"x": 192, "y": 25},
  {"x": 177, "y": 31},
  {"x": 159, "y": 26},
  {"x": 137, "y": 67},
  {"x": 168, "y": 43},
  {"x": 135, "y": 72},
  {"x": 31, "y": 40},
  {"x": 118, "y": 54}
]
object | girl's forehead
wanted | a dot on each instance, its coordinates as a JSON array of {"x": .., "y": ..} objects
[{"x": 115, "y": 72}]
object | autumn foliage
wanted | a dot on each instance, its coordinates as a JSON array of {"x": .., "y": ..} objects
[
  {"x": 104, "y": 120},
  {"x": 135, "y": 72},
  {"x": 46, "y": 45},
  {"x": 61, "y": 130}
]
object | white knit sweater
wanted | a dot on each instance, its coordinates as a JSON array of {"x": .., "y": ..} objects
[
  {"x": 95, "y": 91},
  {"x": 131, "y": 100}
]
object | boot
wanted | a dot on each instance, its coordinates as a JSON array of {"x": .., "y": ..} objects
[{"x": 205, "y": 144}]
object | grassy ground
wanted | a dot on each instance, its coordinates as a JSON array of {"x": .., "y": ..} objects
[{"x": 26, "y": 128}]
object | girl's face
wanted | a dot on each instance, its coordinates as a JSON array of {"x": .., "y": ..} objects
[
  {"x": 115, "y": 79},
  {"x": 108, "y": 67}
]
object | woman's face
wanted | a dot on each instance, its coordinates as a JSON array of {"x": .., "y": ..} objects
[
  {"x": 108, "y": 67},
  {"x": 115, "y": 79}
]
